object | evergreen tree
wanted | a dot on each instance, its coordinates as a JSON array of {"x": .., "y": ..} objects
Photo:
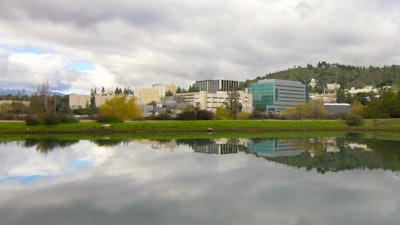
[
  {"x": 168, "y": 93},
  {"x": 340, "y": 96},
  {"x": 92, "y": 109}
]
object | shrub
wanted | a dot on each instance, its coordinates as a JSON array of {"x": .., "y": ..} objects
[
  {"x": 187, "y": 115},
  {"x": 256, "y": 114},
  {"x": 243, "y": 116},
  {"x": 49, "y": 119},
  {"x": 32, "y": 120},
  {"x": 107, "y": 119},
  {"x": 204, "y": 115},
  {"x": 354, "y": 120},
  {"x": 65, "y": 118}
]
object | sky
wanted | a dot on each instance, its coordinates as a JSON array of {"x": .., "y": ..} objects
[{"x": 78, "y": 45}]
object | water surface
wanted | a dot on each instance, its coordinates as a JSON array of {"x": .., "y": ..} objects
[{"x": 321, "y": 180}]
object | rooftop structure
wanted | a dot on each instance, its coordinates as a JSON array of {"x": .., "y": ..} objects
[
  {"x": 216, "y": 85},
  {"x": 337, "y": 108}
]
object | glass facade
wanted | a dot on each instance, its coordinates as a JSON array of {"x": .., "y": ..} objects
[
  {"x": 216, "y": 85},
  {"x": 275, "y": 95}
]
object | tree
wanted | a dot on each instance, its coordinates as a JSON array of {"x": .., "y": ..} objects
[
  {"x": 92, "y": 109},
  {"x": 204, "y": 115},
  {"x": 181, "y": 90},
  {"x": 356, "y": 108},
  {"x": 169, "y": 93},
  {"x": 375, "y": 110},
  {"x": 35, "y": 105},
  {"x": 232, "y": 103},
  {"x": 193, "y": 88},
  {"x": 44, "y": 91},
  {"x": 19, "y": 108},
  {"x": 295, "y": 111},
  {"x": 188, "y": 113},
  {"x": 340, "y": 96},
  {"x": 117, "y": 91},
  {"x": 121, "y": 108},
  {"x": 315, "y": 109},
  {"x": 312, "y": 109},
  {"x": 221, "y": 113}
]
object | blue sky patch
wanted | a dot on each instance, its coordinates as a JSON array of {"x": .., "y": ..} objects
[
  {"x": 23, "y": 49},
  {"x": 79, "y": 66},
  {"x": 22, "y": 179},
  {"x": 79, "y": 164}
]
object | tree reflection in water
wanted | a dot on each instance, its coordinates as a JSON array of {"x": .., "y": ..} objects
[
  {"x": 48, "y": 144},
  {"x": 324, "y": 154}
]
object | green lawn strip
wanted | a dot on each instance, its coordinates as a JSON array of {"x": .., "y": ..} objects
[{"x": 154, "y": 127}]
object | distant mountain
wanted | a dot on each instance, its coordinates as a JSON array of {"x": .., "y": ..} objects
[
  {"x": 14, "y": 92},
  {"x": 24, "y": 92},
  {"x": 347, "y": 76}
]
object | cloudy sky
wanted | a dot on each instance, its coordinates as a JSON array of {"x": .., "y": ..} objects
[{"x": 77, "y": 45}]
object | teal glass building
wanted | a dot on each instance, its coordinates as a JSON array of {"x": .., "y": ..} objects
[{"x": 274, "y": 95}]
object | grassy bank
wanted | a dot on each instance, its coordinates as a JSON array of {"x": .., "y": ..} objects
[{"x": 153, "y": 128}]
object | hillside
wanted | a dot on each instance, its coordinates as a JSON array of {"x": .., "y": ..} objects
[{"x": 347, "y": 76}]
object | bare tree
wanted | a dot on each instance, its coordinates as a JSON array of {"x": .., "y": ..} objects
[{"x": 43, "y": 92}]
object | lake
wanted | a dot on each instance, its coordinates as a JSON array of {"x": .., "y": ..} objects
[{"x": 351, "y": 179}]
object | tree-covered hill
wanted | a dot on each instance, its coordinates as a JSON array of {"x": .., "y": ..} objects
[{"x": 347, "y": 76}]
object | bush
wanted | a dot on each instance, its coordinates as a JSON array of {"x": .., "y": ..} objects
[
  {"x": 187, "y": 115},
  {"x": 256, "y": 114},
  {"x": 32, "y": 120},
  {"x": 49, "y": 119},
  {"x": 354, "y": 120},
  {"x": 204, "y": 115},
  {"x": 161, "y": 116},
  {"x": 65, "y": 118},
  {"x": 243, "y": 115},
  {"x": 107, "y": 119}
]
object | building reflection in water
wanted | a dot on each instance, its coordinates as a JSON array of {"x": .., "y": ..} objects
[
  {"x": 273, "y": 147},
  {"x": 221, "y": 146}
]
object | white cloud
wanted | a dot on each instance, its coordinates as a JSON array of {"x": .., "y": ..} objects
[{"x": 137, "y": 43}]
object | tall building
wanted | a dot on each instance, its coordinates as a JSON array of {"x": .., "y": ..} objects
[
  {"x": 274, "y": 95},
  {"x": 147, "y": 95},
  {"x": 210, "y": 101},
  {"x": 216, "y": 85},
  {"x": 163, "y": 88}
]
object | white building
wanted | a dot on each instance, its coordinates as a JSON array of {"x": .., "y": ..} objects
[
  {"x": 77, "y": 101},
  {"x": 210, "y": 101},
  {"x": 367, "y": 89}
]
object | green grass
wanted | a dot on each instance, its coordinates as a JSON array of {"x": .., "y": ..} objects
[{"x": 157, "y": 128}]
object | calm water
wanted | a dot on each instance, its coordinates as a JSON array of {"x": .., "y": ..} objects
[{"x": 321, "y": 180}]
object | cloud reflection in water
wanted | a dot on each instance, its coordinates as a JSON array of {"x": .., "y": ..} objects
[{"x": 134, "y": 183}]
